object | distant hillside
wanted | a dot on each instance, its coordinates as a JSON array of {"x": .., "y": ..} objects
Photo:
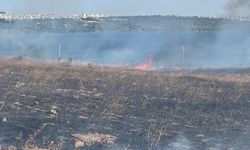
[{"x": 129, "y": 23}]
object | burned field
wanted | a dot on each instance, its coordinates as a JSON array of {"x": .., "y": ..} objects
[{"x": 45, "y": 106}]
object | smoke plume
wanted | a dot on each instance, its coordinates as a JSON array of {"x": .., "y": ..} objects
[{"x": 238, "y": 8}]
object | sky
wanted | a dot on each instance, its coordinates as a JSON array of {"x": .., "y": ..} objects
[{"x": 117, "y": 7}]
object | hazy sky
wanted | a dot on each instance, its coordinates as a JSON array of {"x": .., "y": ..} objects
[{"x": 117, "y": 7}]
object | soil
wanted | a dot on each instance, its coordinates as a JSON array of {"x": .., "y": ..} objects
[{"x": 44, "y": 105}]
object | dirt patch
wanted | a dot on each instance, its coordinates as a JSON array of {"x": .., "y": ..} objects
[{"x": 87, "y": 140}]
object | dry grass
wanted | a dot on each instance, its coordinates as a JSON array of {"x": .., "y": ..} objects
[{"x": 143, "y": 110}]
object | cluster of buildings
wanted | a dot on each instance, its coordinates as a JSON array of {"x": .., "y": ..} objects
[
  {"x": 236, "y": 18},
  {"x": 9, "y": 17}
]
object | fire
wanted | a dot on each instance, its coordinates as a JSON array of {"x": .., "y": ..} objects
[{"x": 147, "y": 65}]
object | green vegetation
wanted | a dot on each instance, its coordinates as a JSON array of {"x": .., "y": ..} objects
[{"x": 131, "y": 23}]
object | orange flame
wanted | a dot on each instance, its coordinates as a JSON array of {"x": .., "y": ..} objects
[{"x": 147, "y": 65}]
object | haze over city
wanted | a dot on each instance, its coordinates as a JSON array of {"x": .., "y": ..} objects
[{"x": 121, "y": 7}]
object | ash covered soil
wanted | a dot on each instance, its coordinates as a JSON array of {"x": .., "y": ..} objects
[{"x": 46, "y": 106}]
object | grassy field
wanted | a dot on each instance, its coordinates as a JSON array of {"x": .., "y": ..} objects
[{"x": 48, "y": 106}]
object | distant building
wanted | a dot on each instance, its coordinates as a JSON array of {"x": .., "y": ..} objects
[{"x": 2, "y": 15}]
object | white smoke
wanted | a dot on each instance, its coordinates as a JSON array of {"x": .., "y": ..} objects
[
  {"x": 182, "y": 143},
  {"x": 238, "y": 8}
]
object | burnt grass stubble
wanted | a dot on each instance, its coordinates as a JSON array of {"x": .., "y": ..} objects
[{"x": 143, "y": 110}]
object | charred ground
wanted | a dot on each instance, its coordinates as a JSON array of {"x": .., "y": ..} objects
[{"x": 44, "y": 105}]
